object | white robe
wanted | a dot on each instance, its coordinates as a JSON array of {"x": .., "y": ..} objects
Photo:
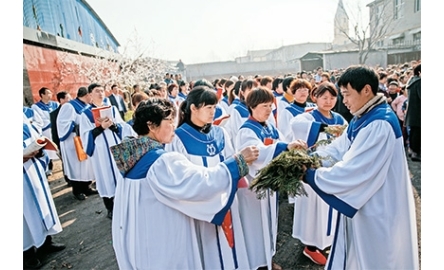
[
  {"x": 35, "y": 119},
  {"x": 43, "y": 111},
  {"x": 105, "y": 170},
  {"x": 313, "y": 219},
  {"x": 156, "y": 207},
  {"x": 238, "y": 115},
  {"x": 68, "y": 117},
  {"x": 40, "y": 217},
  {"x": 371, "y": 189},
  {"x": 259, "y": 216},
  {"x": 209, "y": 150}
]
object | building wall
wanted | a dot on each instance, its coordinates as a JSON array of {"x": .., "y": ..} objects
[{"x": 343, "y": 60}]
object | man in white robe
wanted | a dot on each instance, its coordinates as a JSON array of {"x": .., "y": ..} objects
[
  {"x": 43, "y": 107},
  {"x": 97, "y": 140},
  {"x": 40, "y": 218},
  {"x": 80, "y": 173},
  {"x": 369, "y": 185}
]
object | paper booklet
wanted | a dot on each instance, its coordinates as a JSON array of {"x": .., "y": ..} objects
[
  {"x": 42, "y": 142},
  {"x": 102, "y": 112}
]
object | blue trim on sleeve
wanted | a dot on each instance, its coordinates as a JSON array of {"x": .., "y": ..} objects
[
  {"x": 71, "y": 128},
  {"x": 280, "y": 147},
  {"x": 91, "y": 145},
  {"x": 313, "y": 134},
  {"x": 119, "y": 130},
  {"x": 331, "y": 200},
  {"x": 144, "y": 164},
  {"x": 235, "y": 176}
]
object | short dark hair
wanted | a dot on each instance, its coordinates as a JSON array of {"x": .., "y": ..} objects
[
  {"x": 258, "y": 96},
  {"x": 358, "y": 76},
  {"x": 82, "y": 92},
  {"x": 171, "y": 86},
  {"x": 417, "y": 70},
  {"x": 114, "y": 85},
  {"x": 203, "y": 82},
  {"x": 61, "y": 95},
  {"x": 286, "y": 82},
  {"x": 42, "y": 91},
  {"x": 276, "y": 83},
  {"x": 92, "y": 86},
  {"x": 152, "y": 110}
]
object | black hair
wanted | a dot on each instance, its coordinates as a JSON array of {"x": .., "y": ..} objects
[
  {"x": 82, "y": 92},
  {"x": 287, "y": 82},
  {"x": 199, "y": 96},
  {"x": 152, "y": 110},
  {"x": 235, "y": 92},
  {"x": 417, "y": 70},
  {"x": 42, "y": 91},
  {"x": 246, "y": 85},
  {"x": 61, "y": 95},
  {"x": 276, "y": 83},
  {"x": 92, "y": 86},
  {"x": 203, "y": 82},
  {"x": 358, "y": 76}
]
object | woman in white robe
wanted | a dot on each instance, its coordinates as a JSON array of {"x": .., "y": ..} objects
[
  {"x": 207, "y": 145},
  {"x": 239, "y": 114},
  {"x": 313, "y": 220},
  {"x": 163, "y": 194},
  {"x": 259, "y": 216}
]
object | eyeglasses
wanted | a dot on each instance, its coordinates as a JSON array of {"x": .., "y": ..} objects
[{"x": 302, "y": 90}]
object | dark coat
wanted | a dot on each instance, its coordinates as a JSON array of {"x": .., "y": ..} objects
[
  {"x": 413, "y": 114},
  {"x": 53, "y": 118},
  {"x": 113, "y": 102}
]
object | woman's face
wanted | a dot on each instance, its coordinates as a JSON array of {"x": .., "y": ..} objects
[
  {"x": 262, "y": 111},
  {"x": 326, "y": 102},
  {"x": 203, "y": 115},
  {"x": 301, "y": 95},
  {"x": 164, "y": 133}
]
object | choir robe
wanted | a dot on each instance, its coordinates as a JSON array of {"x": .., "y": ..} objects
[
  {"x": 69, "y": 116},
  {"x": 224, "y": 104},
  {"x": 43, "y": 111},
  {"x": 238, "y": 115},
  {"x": 259, "y": 216},
  {"x": 370, "y": 188},
  {"x": 35, "y": 119},
  {"x": 285, "y": 115},
  {"x": 208, "y": 150},
  {"x": 105, "y": 170},
  {"x": 40, "y": 217},
  {"x": 312, "y": 219},
  {"x": 158, "y": 203}
]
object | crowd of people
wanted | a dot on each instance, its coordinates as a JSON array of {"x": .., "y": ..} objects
[{"x": 173, "y": 163}]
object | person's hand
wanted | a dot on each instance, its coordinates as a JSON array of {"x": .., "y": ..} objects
[
  {"x": 31, "y": 155},
  {"x": 336, "y": 130},
  {"x": 250, "y": 154},
  {"x": 297, "y": 144},
  {"x": 105, "y": 122}
]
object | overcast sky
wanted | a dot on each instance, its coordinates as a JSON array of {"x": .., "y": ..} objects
[{"x": 199, "y": 31}]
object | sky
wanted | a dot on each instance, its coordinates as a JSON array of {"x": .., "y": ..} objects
[{"x": 198, "y": 31}]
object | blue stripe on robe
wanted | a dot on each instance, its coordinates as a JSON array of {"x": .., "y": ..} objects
[{"x": 200, "y": 144}]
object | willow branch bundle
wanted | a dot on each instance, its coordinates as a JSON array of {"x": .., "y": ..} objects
[{"x": 284, "y": 173}]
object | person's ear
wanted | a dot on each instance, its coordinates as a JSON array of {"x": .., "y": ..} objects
[{"x": 193, "y": 107}]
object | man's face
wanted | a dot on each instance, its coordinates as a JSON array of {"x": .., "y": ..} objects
[
  {"x": 392, "y": 89},
  {"x": 47, "y": 96},
  {"x": 98, "y": 94},
  {"x": 115, "y": 90},
  {"x": 354, "y": 100}
]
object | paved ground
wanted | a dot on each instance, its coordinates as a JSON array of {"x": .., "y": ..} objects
[{"x": 87, "y": 232}]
